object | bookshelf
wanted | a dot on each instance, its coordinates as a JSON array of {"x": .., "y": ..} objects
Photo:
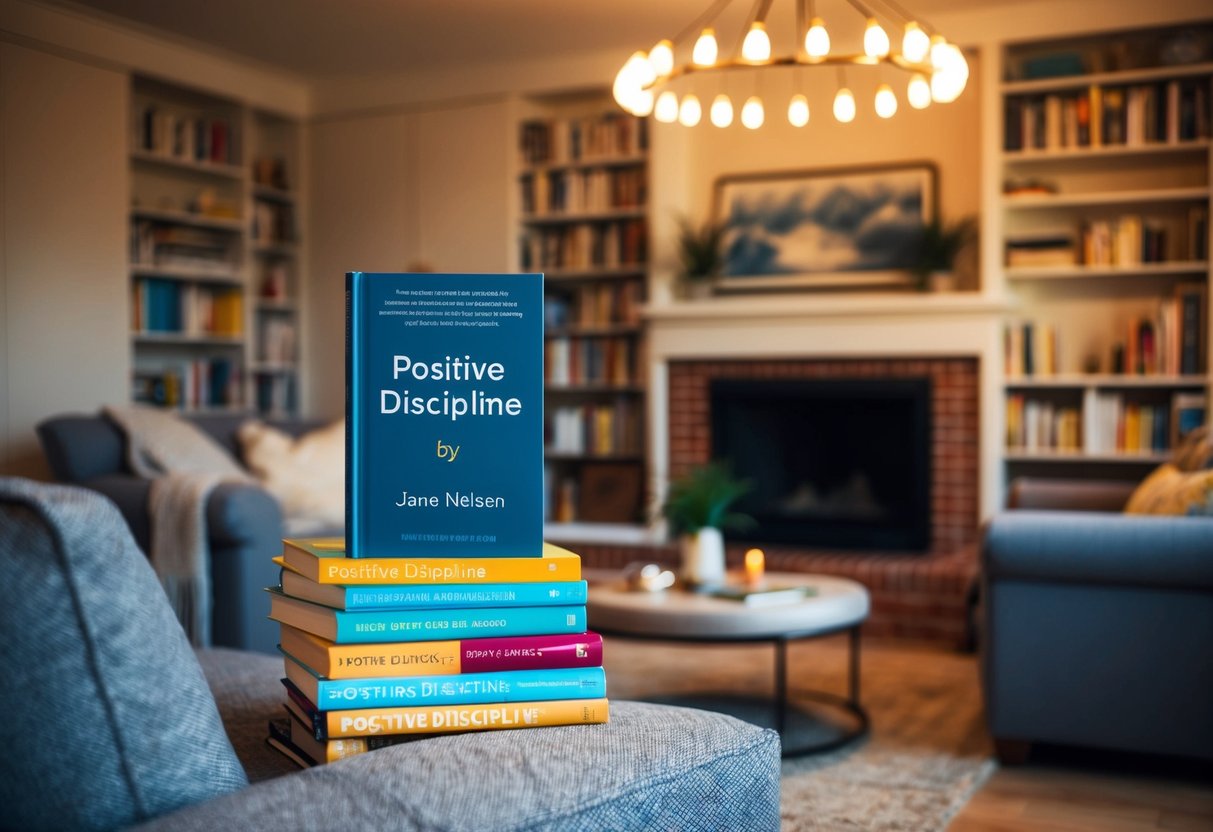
[
  {"x": 583, "y": 203},
  {"x": 205, "y": 317},
  {"x": 1105, "y": 156}
]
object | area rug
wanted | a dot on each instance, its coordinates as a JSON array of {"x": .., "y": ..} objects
[{"x": 926, "y": 753}]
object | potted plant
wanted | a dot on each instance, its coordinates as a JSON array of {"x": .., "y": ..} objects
[
  {"x": 701, "y": 254},
  {"x": 698, "y": 507},
  {"x": 936, "y": 248}
]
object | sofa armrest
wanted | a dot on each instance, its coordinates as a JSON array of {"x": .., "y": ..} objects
[
  {"x": 1069, "y": 495},
  {"x": 1092, "y": 548},
  {"x": 80, "y": 448},
  {"x": 245, "y": 528}
]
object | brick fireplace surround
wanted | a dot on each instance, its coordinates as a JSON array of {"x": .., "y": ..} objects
[{"x": 914, "y": 595}]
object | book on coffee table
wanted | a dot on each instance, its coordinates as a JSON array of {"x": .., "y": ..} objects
[{"x": 766, "y": 596}]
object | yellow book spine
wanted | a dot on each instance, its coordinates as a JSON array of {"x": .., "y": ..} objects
[
  {"x": 366, "y": 722},
  {"x": 556, "y": 564}
]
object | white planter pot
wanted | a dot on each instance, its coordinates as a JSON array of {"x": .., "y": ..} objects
[{"x": 703, "y": 557}]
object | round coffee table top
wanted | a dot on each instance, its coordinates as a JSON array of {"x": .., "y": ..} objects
[{"x": 835, "y": 604}]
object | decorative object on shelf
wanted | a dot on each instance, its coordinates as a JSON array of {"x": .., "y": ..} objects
[
  {"x": 654, "y": 83},
  {"x": 787, "y": 229},
  {"x": 935, "y": 251},
  {"x": 701, "y": 254},
  {"x": 647, "y": 577},
  {"x": 698, "y": 508}
]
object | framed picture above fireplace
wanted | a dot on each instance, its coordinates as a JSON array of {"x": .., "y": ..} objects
[{"x": 828, "y": 228}]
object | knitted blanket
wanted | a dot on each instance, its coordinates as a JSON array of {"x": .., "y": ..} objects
[{"x": 183, "y": 464}]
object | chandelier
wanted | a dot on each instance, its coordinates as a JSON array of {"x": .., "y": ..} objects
[{"x": 653, "y": 83}]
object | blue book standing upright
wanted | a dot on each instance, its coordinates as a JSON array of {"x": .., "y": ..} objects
[{"x": 444, "y": 415}]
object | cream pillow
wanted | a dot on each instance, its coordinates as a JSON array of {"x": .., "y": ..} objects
[{"x": 306, "y": 475}]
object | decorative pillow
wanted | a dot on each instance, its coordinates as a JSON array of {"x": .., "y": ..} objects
[
  {"x": 1195, "y": 453},
  {"x": 306, "y": 475},
  {"x": 1170, "y": 491},
  {"x": 108, "y": 720}
]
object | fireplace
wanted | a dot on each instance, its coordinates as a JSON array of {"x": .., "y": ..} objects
[{"x": 842, "y": 463}]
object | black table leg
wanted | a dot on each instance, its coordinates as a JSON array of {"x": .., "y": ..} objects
[{"x": 781, "y": 684}]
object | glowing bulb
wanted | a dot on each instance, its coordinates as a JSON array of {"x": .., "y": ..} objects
[
  {"x": 642, "y": 103},
  {"x": 661, "y": 58},
  {"x": 817, "y": 40},
  {"x": 666, "y": 108},
  {"x": 951, "y": 73},
  {"x": 756, "y": 48},
  {"x": 630, "y": 82},
  {"x": 844, "y": 106},
  {"x": 752, "y": 114},
  {"x": 875, "y": 40},
  {"x": 914, "y": 44},
  {"x": 705, "y": 51},
  {"x": 689, "y": 112},
  {"x": 886, "y": 101},
  {"x": 722, "y": 111},
  {"x": 918, "y": 93},
  {"x": 798, "y": 111},
  {"x": 939, "y": 48}
]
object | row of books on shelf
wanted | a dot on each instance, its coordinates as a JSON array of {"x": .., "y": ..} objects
[
  {"x": 166, "y": 244},
  {"x": 605, "y": 136},
  {"x": 1109, "y": 116},
  {"x": 611, "y": 303},
  {"x": 573, "y": 191},
  {"x": 597, "y": 429},
  {"x": 609, "y": 244},
  {"x": 590, "y": 360},
  {"x": 277, "y": 340},
  {"x": 185, "y": 137},
  {"x": 170, "y": 306},
  {"x": 593, "y": 492},
  {"x": 214, "y": 382},
  {"x": 370, "y": 662},
  {"x": 1129, "y": 240},
  {"x": 1104, "y": 423},
  {"x": 275, "y": 393},
  {"x": 273, "y": 222}
]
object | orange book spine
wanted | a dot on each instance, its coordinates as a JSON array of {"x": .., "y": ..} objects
[{"x": 368, "y": 722}]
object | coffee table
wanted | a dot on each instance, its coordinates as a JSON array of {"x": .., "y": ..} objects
[{"x": 837, "y": 605}]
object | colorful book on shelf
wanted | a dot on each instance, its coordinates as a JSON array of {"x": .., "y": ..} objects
[
  {"x": 429, "y": 596},
  {"x": 442, "y": 719},
  {"x": 374, "y": 626},
  {"x": 444, "y": 407},
  {"x": 324, "y": 561},
  {"x": 458, "y": 689}
]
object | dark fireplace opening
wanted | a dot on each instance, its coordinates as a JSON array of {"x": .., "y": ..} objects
[{"x": 839, "y": 463}]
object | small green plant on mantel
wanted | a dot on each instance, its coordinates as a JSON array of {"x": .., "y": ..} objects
[
  {"x": 701, "y": 253},
  {"x": 698, "y": 507},
  {"x": 938, "y": 244}
]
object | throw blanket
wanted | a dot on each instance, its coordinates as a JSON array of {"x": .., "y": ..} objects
[{"x": 183, "y": 464}]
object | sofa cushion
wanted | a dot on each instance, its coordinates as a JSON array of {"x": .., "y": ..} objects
[{"x": 107, "y": 717}]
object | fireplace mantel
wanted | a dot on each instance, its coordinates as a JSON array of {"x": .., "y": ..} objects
[{"x": 865, "y": 305}]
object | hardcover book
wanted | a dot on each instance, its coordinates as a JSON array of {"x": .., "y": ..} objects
[
  {"x": 444, "y": 415},
  {"x": 431, "y": 658}
]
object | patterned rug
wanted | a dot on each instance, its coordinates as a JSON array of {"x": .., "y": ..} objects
[{"x": 926, "y": 753}]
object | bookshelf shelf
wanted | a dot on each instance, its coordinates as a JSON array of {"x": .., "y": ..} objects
[
  {"x": 284, "y": 306},
  {"x": 275, "y": 249},
  {"x": 1083, "y": 457},
  {"x": 223, "y": 171},
  {"x": 1078, "y": 271},
  {"x": 573, "y": 389},
  {"x": 199, "y": 274},
  {"x": 1123, "y": 77},
  {"x": 597, "y": 273},
  {"x": 574, "y": 217},
  {"x": 1106, "y": 382},
  {"x": 629, "y": 161},
  {"x": 272, "y": 194},
  {"x": 592, "y": 331},
  {"x": 1064, "y": 200},
  {"x": 186, "y": 218},
  {"x": 182, "y": 339},
  {"x": 1035, "y": 156}
]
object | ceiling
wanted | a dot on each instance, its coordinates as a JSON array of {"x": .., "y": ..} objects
[{"x": 327, "y": 39}]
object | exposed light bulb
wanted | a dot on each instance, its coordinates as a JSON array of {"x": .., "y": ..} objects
[
  {"x": 666, "y": 108},
  {"x": 705, "y": 51},
  {"x": 918, "y": 93},
  {"x": 642, "y": 103},
  {"x": 817, "y": 40},
  {"x": 661, "y": 58},
  {"x": 756, "y": 48},
  {"x": 914, "y": 44},
  {"x": 630, "y": 82},
  {"x": 886, "y": 101},
  {"x": 875, "y": 40},
  {"x": 938, "y": 50},
  {"x": 689, "y": 111},
  {"x": 951, "y": 73},
  {"x": 844, "y": 106},
  {"x": 798, "y": 111},
  {"x": 752, "y": 114},
  {"x": 722, "y": 111}
]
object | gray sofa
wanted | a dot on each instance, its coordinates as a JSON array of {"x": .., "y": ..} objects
[
  {"x": 244, "y": 523},
  {"x": 110, "y": 721},
  {"x": 1097, "y": 625}
]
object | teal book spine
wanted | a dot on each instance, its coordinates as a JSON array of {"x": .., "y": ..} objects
[
  {"x": 371, "y": 627},
  {"x": 444, "y": 415},
  {"x": 466, "y": 689},
  {"x": 403, "y": 597}
]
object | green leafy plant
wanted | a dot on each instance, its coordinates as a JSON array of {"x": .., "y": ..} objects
[
  {"x": 938, "y": 244},
  {"x": 701, "y": 249},
  {"x": 702, "y": 499}
]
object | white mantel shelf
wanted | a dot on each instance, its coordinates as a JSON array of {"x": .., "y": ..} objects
[{"x": 886, "y": 304}]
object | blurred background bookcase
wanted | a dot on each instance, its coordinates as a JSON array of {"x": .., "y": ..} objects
[
  {"x": 583, "y": 203},
  {"x": 214, "y": 252},
  {"x": 1104, "y": 155}
]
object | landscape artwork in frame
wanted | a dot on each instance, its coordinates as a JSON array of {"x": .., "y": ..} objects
[{"x": 825, "y": 228}]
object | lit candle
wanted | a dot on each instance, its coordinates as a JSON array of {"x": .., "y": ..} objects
[{"x": 753, "y": 567}]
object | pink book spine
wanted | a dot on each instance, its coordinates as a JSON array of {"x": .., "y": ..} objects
[{"x": 482, "y": 655}]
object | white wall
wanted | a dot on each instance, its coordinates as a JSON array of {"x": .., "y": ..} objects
[{"x": 63, "y": 274}]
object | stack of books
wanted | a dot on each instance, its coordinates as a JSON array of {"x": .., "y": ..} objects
[{"x": 403, "y": 648}]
